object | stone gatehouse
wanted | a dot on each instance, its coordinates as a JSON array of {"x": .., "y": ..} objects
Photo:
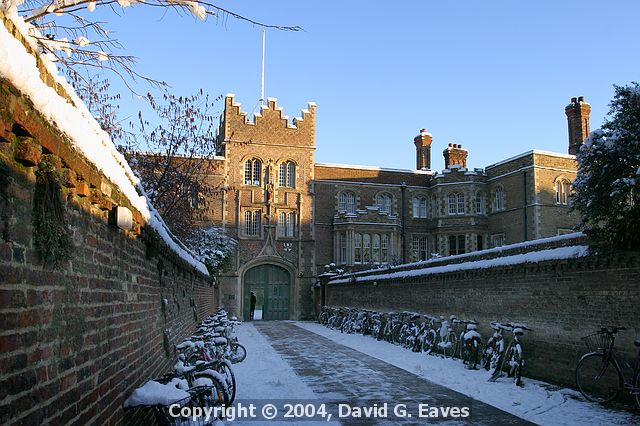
[{"x": 292, "y": 216}]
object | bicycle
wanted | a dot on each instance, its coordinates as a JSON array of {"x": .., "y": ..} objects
[
  {"x": 599, "y": 377},
  {"x": 471, "y": 347},
  {"x": 513, "y": 356},
  {"x": 493, "y": 349},
  {"x": 446, "y": 338}
]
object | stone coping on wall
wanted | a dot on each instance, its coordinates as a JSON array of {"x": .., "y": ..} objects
[{"x": 547, "y": 245}]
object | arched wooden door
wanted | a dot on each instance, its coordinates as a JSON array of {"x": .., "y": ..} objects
[{"x": 272, "y": 281}]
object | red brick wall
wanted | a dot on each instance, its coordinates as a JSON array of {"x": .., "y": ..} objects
[
  {"x": 560, "y": 300},
  {"x": 76, "y": 339}
]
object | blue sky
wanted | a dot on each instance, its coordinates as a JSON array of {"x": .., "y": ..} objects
[{"x": 493, "y": 76}]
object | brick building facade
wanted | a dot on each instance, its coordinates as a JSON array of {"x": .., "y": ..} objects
[{"x": 292, "y": 216}]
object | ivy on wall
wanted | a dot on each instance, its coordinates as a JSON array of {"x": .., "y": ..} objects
[{"x": 50, "y": 232}]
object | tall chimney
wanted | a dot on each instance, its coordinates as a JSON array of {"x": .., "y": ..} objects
[
  {"x": 423, "y": 150},
  {"x": 454, "y": 154},
  {"x": 578, "y": 121}
]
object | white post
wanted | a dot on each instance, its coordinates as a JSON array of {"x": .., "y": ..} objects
[{"x": 262, "y": 83}]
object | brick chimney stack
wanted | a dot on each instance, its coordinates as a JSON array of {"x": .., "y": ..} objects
[
  {"x": 455, "y": 155},
  {"x": 578, "y": 120},
  {"x": 423, "y": 150}
]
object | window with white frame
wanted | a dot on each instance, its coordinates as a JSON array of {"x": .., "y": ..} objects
[
  {"x": 420, "y": 207},
  {"x": 366, "y": 248},
  {"x": 562, "y": 192},
  {"x": 456, "y": 203},
  {"x": 375, "y": 248},
  {"x": 384, "y": 248},
  {"x": 286, "y": 224},
  {"x": 342, "y": 248},
  {"x": 384, "y": 201},
  {"x": 287, "y": 175},
  {"x": 369, "y": 248},
  {"x": 357, "y": 246},
  {"x": 347, "y": 202},
  {"x": 499, "y": 199},
  {"x": 420, "y": 248},
  {"x": 252, "y": 221},
  {"x": 253, "y": 172},
  {"x": 480, "y": 202}
]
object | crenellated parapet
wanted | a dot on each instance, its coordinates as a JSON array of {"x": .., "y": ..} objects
[{"x": 270, "y": 126}]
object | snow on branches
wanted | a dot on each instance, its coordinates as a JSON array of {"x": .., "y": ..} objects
[{"x": 608, "y": 180}]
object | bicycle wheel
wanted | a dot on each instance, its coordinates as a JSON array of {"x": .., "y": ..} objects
[
  {"x": 238, "y": 352},
  {"x": 225, "y": 370},
  {"x": 450, "y": 348},
  {"x": 429, "y": 341},
  {"x": 598, "y": 379},
  {"x": 474, "y": 354},
  {"x": 515, "y": 364},
  {"x": 636, "y": 386},
  {"x": 211, "y": 391}
]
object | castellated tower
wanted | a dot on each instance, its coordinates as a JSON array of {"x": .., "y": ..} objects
[
  {"x": 423, "y": 150},
  {"x": 268, "y": 209},
  {"x": 454, "y": 154},
  {"x": 578, "y": 120}
]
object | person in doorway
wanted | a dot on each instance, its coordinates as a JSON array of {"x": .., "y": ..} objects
[{"x": 253, "y": 305}]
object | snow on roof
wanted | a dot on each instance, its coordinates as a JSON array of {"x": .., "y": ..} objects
[
  {"x": 533, "y": 151},
  {"x": 78, "y": 124},
  {"x": 374, "y": 168},
  {"x": 532, "y": 257}
]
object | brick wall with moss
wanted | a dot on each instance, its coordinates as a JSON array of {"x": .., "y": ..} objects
[{"x": 88, "y": 311}]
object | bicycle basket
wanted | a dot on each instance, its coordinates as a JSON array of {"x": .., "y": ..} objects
[{"x": 598, "y": 342}]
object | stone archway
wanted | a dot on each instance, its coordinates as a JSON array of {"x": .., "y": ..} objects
[{"x": 273, "y": 282}]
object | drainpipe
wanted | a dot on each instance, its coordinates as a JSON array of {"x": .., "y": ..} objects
[
  {"x": 524, "y": 194},
  {"x": 403, "y": 223}
]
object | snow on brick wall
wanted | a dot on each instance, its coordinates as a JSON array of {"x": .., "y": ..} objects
[
  {"x": 560, "y": 299},
  {"x": 76, "y": 339}
]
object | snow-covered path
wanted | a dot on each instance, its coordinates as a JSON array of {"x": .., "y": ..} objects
[{"x": 306, "y": 362}]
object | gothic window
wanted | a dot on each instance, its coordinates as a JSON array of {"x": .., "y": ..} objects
[
  {"x": 347, "y": 202},
  {"x": 286, "y": 224},
  {"x": 420, "y": 248},
  {"x": 562, "y": 192},
  {"x": 252, "y": 172},
  {"x": 384, "y": 201},
  {"x": 420, "y": 207},
  {"x": 456, "y": 203},
  {"x": 499, "y": 200},
  {"x": 456, "y": 244},
  {"x": 252, "y": 221},
  {"x": 287, "y": 174}
]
